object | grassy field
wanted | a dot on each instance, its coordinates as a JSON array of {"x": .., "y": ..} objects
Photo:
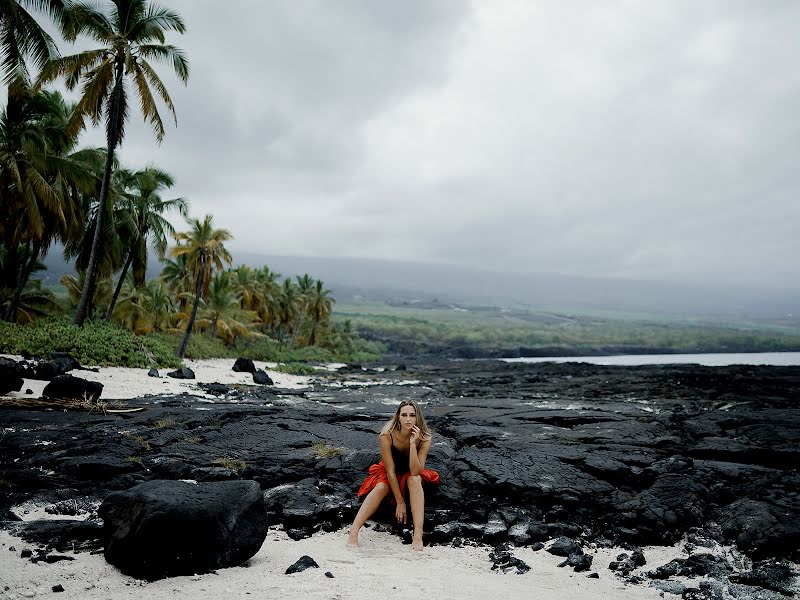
[{"x": 491, "y": 331}]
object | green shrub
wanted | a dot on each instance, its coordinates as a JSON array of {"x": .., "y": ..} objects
[
  {"x": 200, "y": 345},
  {"x": 267, "y": 349},
  {"x": 296, "y": 368},
  {"x": 96, "y": 343}
]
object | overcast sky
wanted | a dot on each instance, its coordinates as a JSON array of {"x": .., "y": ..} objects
[{"x": 625, "y": 138}]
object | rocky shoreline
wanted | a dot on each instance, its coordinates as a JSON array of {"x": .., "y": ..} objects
[{"x": 598, "y": 456}]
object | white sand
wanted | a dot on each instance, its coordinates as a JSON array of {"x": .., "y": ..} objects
[
  {"x": 382, "y": 568},
  {"x": 123, "y": 383}
]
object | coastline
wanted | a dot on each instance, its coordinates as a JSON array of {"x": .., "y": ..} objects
[{"x": 360, "y": 399}]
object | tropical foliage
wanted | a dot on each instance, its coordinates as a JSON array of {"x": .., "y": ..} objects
[
  {"x": 110, "y": 219},
  {"x": 132, "y": 34}
]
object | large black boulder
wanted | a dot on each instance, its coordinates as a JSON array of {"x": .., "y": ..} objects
[
  {"x": 69, "y": 387},
  {"x": 167, "y": 528},
  {"x": 10, "y": 381},
  {"x": 244, "y": 365},
  {"x": 182, "y": 373},
  {"x": 260, "y": 377}
]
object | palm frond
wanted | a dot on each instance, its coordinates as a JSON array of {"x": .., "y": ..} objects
[
  {"x": 147, "y": 102},
  {"x": 155, "y": 22},
  {"x": 167, "y": 53},
  {"x": 95, "y": 89}
]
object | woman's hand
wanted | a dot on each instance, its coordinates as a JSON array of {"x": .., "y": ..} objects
[
  {"x": 400, "y": 513},
  {"x": 416, "y": 434}
]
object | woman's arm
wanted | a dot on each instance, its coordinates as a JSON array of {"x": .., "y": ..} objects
[
  {"x": 417, "y": 455},
  {"x": 388, "y": 463}
]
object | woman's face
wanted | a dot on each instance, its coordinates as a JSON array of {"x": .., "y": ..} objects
[{"x": 407, "y": 417}]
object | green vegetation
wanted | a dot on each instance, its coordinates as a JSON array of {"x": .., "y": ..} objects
[
  {"x": 323, "y": 450},
  {"x": 232, "y": 464},
  {"x": 296, "y": 369},
  {"x": 108, "y": 217},
  {"x": 192, "y": 439},
  {"x": 97, "y": 343},
  {"x": 489, "y": 331}
]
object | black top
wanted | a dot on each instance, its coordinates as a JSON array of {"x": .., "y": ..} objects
[{"x": 400, "y": 459}]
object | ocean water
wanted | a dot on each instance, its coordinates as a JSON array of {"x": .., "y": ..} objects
[{"x": 782, "y": 359}]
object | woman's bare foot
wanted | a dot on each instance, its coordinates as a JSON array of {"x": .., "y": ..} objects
[
  {"x": 352, "y": 539},
  {"x": 416, "y": 543}
]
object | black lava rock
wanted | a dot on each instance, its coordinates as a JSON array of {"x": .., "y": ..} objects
[
  {"x": 565, "y": 547},
  {"x": 503, "y": 560},
  {"x": 303, "y": 563},
  {"x": 182, "y": 373},
  {"x": 166, "y": 528},
  {"x": 10, "y": 380},
  {"x": 153, "y": 373},
  {"x": 244, "y": 365},
  {"x": 69, "y": 387},
  {"x": 581, "y": 562},
  {"x": 260, "y": 377}
]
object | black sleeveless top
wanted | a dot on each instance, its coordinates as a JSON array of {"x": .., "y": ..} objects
[{"x": 400, "y": 459}]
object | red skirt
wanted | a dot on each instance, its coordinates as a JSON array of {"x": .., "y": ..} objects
[{"x": 377, "y": 474}]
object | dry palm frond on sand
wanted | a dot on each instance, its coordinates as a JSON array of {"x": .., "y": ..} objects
[{"x": 85, "y": 404}]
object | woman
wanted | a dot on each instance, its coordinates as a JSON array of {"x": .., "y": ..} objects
[{"x": 405, "y": 441}]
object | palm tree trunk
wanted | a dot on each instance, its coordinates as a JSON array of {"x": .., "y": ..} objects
[
  {"x": 115, "y": 120},
  {"x": 297, "y": 331},
  {"x": 117, "y": 290},
  {"x": 27, "y": 269},
  {"x": 198, "y": 289},
  {"x": 312, "y": 339}
]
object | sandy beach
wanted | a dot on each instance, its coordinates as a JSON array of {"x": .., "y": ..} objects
[
  {"x": 383, "y": 566},
  {"x": 122, "y": 383}
]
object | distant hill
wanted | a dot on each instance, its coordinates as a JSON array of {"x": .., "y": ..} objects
[{"x": 397, "y": 282}]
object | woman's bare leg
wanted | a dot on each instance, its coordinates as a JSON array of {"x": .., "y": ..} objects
[
  {"x": 368, "y": 508},
  {"x": 416, "y": 496}
]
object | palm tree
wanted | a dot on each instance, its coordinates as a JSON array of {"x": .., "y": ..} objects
[
  {"x": 204, "y": 249},
  {"x": 178, "y": 278},
  {"x": 146, "y": 207},
  {"x": 304, "y": 286},
  {"x": 132, "y": 310},
  {"x": 40, "y": 179},
  {"x": 22, "y": 39},
  {"x": 271, "y": 290},
  {"x": 252, "y": 295},
  {"x": 288, "y": 308},
  {"x": 160, "y": 306},
  {"x": 132, "y": 33},
  {"x": 221, "y": 309},
  {"x": 74, "y": 287},
  {"x": 32, "y": 301},
  {"x": 319, "y": 305},
  {"x": 120, "y": 227}
]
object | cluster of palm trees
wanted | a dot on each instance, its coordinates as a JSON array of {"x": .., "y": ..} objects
[
  {"x": 197, "y": 289},
  {"x": 49, "y": 190},
  {"x": 104, "y": 215},
  {"x": 244, "y": 301}
]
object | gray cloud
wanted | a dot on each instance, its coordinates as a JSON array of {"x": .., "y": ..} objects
[{"x": 633, "y": 139}]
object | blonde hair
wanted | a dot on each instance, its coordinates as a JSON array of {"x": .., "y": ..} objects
[{"x": 393, "y": 424}]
